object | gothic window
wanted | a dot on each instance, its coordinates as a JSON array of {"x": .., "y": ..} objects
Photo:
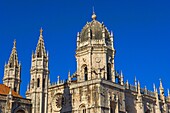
[
  {"x": 32, "y": 83},
  {"x": 108, "y": 71},
  {"x": 85, "y": 74},
  {"x": 38, "y": 82},
  {"x": 38, "y": 54},
  {"x": 43, "y": 82},
  {"x": 84, "y": 110},
  {"x": 10, "y": 65}
]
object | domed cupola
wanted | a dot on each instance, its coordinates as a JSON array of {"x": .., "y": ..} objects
[
  {"x": 95, "y": 30},
  {"x": 95, "y": 52}
]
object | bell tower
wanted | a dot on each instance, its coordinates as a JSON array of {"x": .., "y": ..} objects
[
  {"x": 95, "y": 52},
  {"x": 38, "y": 89},
  {"x": 12, "y": 71}
]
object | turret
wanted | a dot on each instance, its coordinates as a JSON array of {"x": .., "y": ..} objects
[
  {"x": 38, "y": 91},
  {"x": 12, "y": 71}
]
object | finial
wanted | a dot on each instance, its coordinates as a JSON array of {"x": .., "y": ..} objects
[
  {"x": 14, "y": 46},
  {"x": 138, "y": 83},
  {"x": 58, "y": 81},
  {"x": 78, "y": 36},
  {"x": 94, "y": 15},
  {"x": 27, "y": 86},
  {"x": 69, "y": 73},
  {"x": 127, "y": 84},
  {"x": 111, "y": 33},
  {"x": 135, "y": 81},
  {"x": 121, "y": 73},
  {"x": 139, "y": 87},
  {"x": 41, "y": 31},
  {"x": 160, "y": 84},
  {"x": 154, "y": 88}
]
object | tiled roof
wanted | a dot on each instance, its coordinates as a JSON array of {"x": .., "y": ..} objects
[{"x": 4, "y": 90}]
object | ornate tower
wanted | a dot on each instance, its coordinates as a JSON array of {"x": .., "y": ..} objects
[
  {"x": 37, "y": 91},
  {"x": 95, "y": 52},
  {"x": 12, "y": 71}
]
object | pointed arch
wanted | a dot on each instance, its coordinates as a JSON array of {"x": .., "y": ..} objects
[
  {"x": 38, "y": 82},
  {"x": 84, "y": 72},
  {"x": 108, "y": 71},
  {"x": 82, "y": 108}
]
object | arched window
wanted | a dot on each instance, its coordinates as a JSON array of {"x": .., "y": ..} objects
[
  {"x": 85, "y": 73},
  {"x": 32, "y": 83},
  {"x": 43, "y": 82},
  {"x": 108, "y": 71},
  {"x": 38, "y": 82},
  {"x": 82, "y": 109}
]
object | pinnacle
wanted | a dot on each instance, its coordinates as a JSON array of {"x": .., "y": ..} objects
[
  {"x": 13, "y": 57},
  {"x": 41, "y": 31},
  {"x": 94, "y": 15},
  {"x": 40, "y": 49},
  {"x": 14, "y": 46}
]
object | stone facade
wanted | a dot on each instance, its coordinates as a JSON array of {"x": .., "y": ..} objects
[{"x": 95, "y": 87}]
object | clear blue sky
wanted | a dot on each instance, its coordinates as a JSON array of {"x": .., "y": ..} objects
[{"x": 141, "y": 29}]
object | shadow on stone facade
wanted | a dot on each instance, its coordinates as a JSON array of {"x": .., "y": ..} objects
[{"x": 66, "y": 100}]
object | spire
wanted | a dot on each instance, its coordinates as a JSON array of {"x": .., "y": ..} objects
[
  {"x": 161, "y": 86},
  {"x": 139, "y": 93},
  {"x": 78, "y": 36},
  {"x": 135, "y": 81},
  {"x": 13, "y": 59},
  {"x": 69, "y": 76},
  {"x": 121, "y": 78},
  {"x": 154, "y": 88},
  {"x": 40, "y": 49},
  {"x": 94, "y": 15},
  {"x": 58, "y": 81},
  {"x": 14, "y": 44},
  {"x": 127, "y": 84},
  {"x": 111, "y": 34},
  {"x": 145, "y": 90},
  {"x": 161, "y": 90},
  {"x": 41, "y": 31}
]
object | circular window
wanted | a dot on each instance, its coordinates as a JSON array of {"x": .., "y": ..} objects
[{"x": 58, "y": 101}]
